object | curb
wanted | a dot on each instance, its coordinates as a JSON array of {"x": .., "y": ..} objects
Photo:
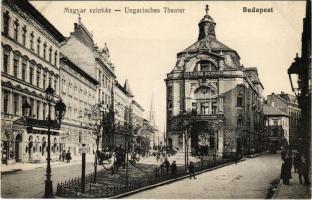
[
  {"x": 277, "y": 190},
  {"x": 11, "y": 171},
  {"x": 170, "y": 181}
]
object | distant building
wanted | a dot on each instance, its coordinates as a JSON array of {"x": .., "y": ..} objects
[
  {"x": 30, "y": 62},
  {"x": 76, "y": 124},
  {"x": 289, "y": 105},
  {"x": 81, "y": 49},
  {"x": 276, "y": 129},
  {"x": 213, "y": 103}
]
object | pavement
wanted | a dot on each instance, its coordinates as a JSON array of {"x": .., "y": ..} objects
[
  {"x": 294, "y": 190},
  {"x": 249, "y": 179},
  {"x": 11, "y": 168}
]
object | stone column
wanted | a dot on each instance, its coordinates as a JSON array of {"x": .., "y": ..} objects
[{"x": 220, "y": 142}]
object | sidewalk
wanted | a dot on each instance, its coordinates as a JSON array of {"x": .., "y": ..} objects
[
  {"x": 31, "y": 166},
  {"x": 294, "y": 190}
]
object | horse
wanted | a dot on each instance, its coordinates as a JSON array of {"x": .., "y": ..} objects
[{"x": 103, "y": 156}]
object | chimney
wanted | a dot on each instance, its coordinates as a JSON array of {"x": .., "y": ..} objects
[{"x": 282, "y": 92}]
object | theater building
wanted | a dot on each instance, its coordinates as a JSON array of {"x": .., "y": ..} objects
[
  {"x": 214, "y": 105},
  {"x": 30, "y": 53}
]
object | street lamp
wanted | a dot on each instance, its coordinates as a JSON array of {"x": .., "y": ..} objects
[
  {"x": 60, "y": 109},
  {"x": 26, "y": 109}
]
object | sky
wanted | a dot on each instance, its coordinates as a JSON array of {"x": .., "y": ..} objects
[{"x": 143, "y": 47}]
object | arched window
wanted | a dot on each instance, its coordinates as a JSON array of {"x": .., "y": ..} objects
[{"x": 205, "y": 65}]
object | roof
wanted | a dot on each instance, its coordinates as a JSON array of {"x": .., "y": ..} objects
[
  {"x": 127, "y": 88},
  {"x": 288, "y": 97},
  {"x": 208, "y": 42},
  {"x": 71, "y": 64},
  {"x": 38, "y": 17},
  {"x": 273, "y": 111}
]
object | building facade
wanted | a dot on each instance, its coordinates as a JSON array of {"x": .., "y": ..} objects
[
  {"x": 289, "y": 105},
  {"x": 276, "y": 127},
  {"x": 30, "y": 54},
  {"x": 83, "y": 51},
  {"x": 78, "y": 92},
  {"x": 214, "y": 105}
]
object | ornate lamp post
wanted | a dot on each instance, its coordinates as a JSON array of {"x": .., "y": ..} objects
[{"x": 60, "y": 109}]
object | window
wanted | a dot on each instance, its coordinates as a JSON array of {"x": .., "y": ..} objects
[
  {"x": 5, "y": 101},
  {"x": 38, "y": 46},
  {"x": 239, "y": 101},
  {"x": 6, "y": 55},
  {"x": 214, "y": 107},
  {"x": 15, "y": 66},
  {"x": 50, "y": 54},
  {"x": 6, "y": 20},
  {"x": 15, "y": 104},
  {"x": 31, "y": 73},
  {"x": 31, "y": 107},
  {"x": 275, "y": 122},
  {"x": 204, "y": 108},
  {"x": 44, "y": 50},
  {"x": 38, "y": 109},
  {"x": 55, "y": 58},
  {"x": 38, "y": 78},
  {"x": 24, "y": 35},
  {"x": 24, "y": 70},
  {"x": 194, "y": 107},
  {"x": 50, "y": 80},
  {"x": 15, "y": 27},
  {"x": 24, "y": 99},
  {"x": 44, "y": 111},
  {"x": 44, "y": 80},
  {"x": 32, "y": 40},
  {"x": 205, "y": 66},
  {"x": 55, "y": 83}
]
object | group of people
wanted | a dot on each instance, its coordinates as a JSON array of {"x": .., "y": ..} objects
[
  {"x": 66, "y": 156},
  {"x": 300, "y": 165},
  {"x": 166, "y": 166}
]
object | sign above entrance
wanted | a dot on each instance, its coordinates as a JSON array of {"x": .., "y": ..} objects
[{"x": 203, "y": 74}]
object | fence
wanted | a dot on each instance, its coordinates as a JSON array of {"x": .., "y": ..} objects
[{"x": 72, "y": 188}]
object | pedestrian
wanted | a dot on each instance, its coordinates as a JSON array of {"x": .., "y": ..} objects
[
  {"x": 191, "y": 170},
  {"x": 63, "y": 155},
  {"x": 161, "y": 169},
  {"x": 167, "y": 165},
  {"x": 68, "y": 156},
  {"x": 303, "y": 171},
  {"x": 285, "y": 172},
  {"x": 289, "y": 163},
  {"x": 296, "y": 162},
  {"x": 173, "y": 168}
]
